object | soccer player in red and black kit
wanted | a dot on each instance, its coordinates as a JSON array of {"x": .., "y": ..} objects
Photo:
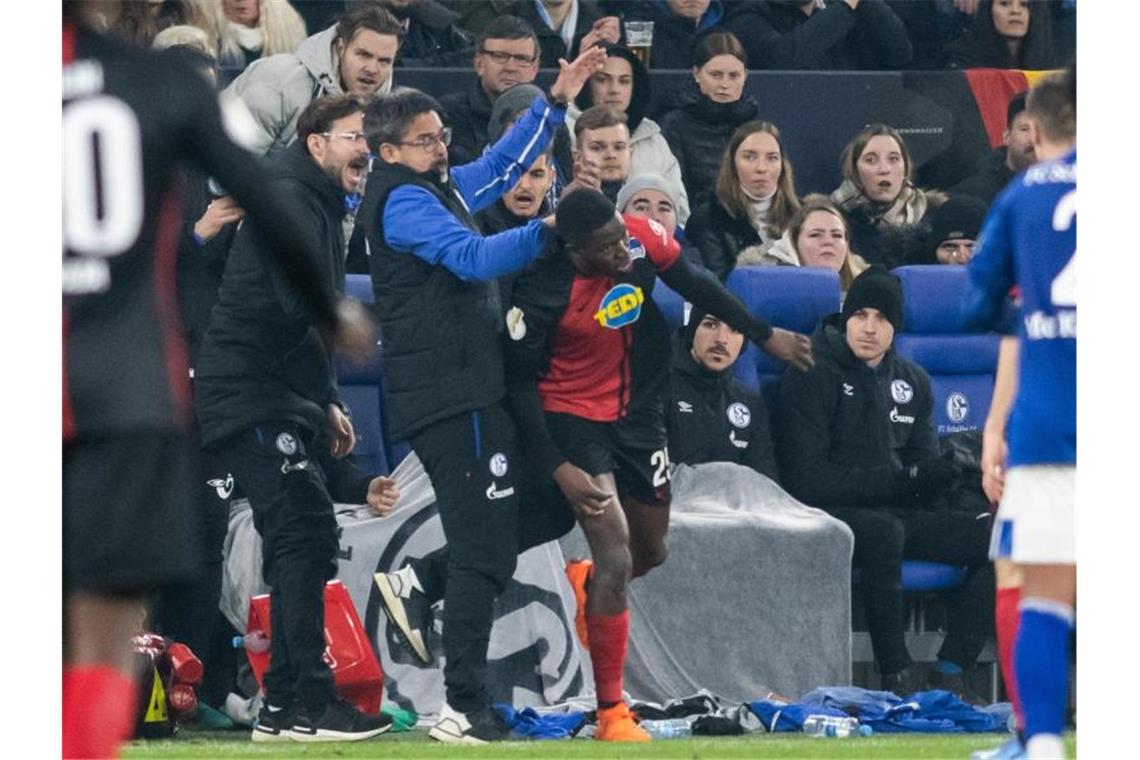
[
  {"x": 129, "y": 118},
  {"x": 589, "y": 361}
]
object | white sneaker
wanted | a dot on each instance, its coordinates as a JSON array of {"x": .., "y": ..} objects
[
  {"x": 481, "y": 727},
  {"x": 408, "y": 609}
]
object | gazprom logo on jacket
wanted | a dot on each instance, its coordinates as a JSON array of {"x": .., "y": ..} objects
[{"x": 620, "y": 306}]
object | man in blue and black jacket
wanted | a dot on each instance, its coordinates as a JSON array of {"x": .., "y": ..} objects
[{"x": 439, "y": 309}]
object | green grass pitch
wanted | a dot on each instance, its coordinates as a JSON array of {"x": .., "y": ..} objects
[{"x": 415, "y": 744}]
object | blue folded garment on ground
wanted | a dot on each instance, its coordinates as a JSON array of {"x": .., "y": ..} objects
[
  {"x": 533, "y": 725},
  {"x": 929, "y": 712}
]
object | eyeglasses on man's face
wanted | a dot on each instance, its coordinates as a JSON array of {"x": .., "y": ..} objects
[
  {"x": 500, "y": 57},
  {"x": 350, "y": 136},
  {"x": 428, "y": 143}
]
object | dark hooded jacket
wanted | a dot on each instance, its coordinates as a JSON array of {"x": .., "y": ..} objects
[
  {"x": 846, "y": 431},
  {"x": 261, "y": 358},
  {"x": 673, "y": 37},
  {"x": 719, "y": 236},
  {"x": 712, "y": 416},
  {"x": 780, "y": 36},
  {"x": 698, "y": 131},
  {"x": 989, "y": 180},
  {"x": 551, "y": 47},
  {"x": 468, "y": 113},
  {"x": 639, "y": 98},
  {"x": 983, "y": 47},
  {"x": 432, "y": 38},
  {"x": 495, "y": 219}
]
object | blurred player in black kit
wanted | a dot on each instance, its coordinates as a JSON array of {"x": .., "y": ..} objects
[{"x": 129, "y": 118}]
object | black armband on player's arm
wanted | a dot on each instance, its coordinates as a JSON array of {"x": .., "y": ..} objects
[
  {"x": 708, "y": 294},
  {"x": 526, "y": 408}
]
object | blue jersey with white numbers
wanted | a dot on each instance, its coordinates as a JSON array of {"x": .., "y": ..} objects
[{"x": 1029, "y": 239}]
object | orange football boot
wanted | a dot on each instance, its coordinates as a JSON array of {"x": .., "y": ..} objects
[{"x": 617, "y": 724}]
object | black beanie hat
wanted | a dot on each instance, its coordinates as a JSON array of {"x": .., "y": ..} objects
[
  {"x": 689, "y": 329},
  {"x": 877, "y": 289},
  {"x": 581, "y": 212},
  {"x": 959, "y": 218}
]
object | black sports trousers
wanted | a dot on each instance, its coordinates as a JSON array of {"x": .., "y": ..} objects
[
  {"x": 294, "y": 515},
  {"x": 883, "y": 539},
  {"x": 472, "y": 461}
]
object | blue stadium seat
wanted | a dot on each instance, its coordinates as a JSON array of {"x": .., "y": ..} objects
[
  {"x": 918, "y": 575},
  {"x": 961, "y": 365},
  {"x": 361, "y": 389},
  {"x": 961, "y": 368}
]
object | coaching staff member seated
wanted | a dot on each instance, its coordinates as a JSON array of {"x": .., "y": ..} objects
[
  {"x": 856, "y": 438},
  {"x": 712, "y": 416},
  {"x": 267, "y": 402}
]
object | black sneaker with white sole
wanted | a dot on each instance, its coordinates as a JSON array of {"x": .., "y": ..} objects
[
  {"x": 340, "y": 722},
  {"x": 273, "y": 725},
  {"x": 408, "y": 610},
  {"x": 480, "y": 727}
]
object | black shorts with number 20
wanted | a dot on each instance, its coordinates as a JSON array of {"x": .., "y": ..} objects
[{"x": 641, "y": 473}]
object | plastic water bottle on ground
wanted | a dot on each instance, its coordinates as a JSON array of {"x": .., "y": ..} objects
[
  {"x": 674, "y": 728},
  {"x": 832, "y": 726},
  {"x": 254, "y": 641}
]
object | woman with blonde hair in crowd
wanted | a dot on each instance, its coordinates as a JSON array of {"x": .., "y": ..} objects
[
  {"x": 817, "y": 237},
  {"x": 245, "y": 30},
  {"x": 754, "y": 202},
  {"x": 885, "y": 211}
]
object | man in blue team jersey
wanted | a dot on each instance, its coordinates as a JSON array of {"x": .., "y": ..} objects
[{"x": 1029, "y": 240}]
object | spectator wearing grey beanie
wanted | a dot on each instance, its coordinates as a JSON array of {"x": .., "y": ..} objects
[{"x": 654, "y": 197}]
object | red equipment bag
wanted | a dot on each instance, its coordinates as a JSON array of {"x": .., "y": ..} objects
[{"x": 356, "y": 671}]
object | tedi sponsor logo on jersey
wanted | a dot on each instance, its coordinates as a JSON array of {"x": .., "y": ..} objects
[
  {"x": 620, "y": 306},
  {"x": 906, "y": 419}
]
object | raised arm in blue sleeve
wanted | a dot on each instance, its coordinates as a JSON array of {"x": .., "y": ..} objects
[
  {"x": 990, "y": 272},
  {"x": 481, "y": 182},
  {"x": 415, "y": 222}
]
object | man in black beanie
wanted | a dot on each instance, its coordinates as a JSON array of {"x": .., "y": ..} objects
[
  {"x": 856, "y": 437},
  {"x": 712, "y": 416},
  {"x": 954, "y": 228}
]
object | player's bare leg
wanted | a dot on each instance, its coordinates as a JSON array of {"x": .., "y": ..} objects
[
  {"x": 648, "y": 526},
  {"x": 608, "y": 537},
  {"x": 99, "y": 689}
]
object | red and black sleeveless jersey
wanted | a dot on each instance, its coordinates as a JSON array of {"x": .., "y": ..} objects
[
  {"x": 129, "y": 117},
  {"x": 598, "y": 345}
]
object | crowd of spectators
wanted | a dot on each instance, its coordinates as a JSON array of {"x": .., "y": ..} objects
[{"x": 714, "y": 173}]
